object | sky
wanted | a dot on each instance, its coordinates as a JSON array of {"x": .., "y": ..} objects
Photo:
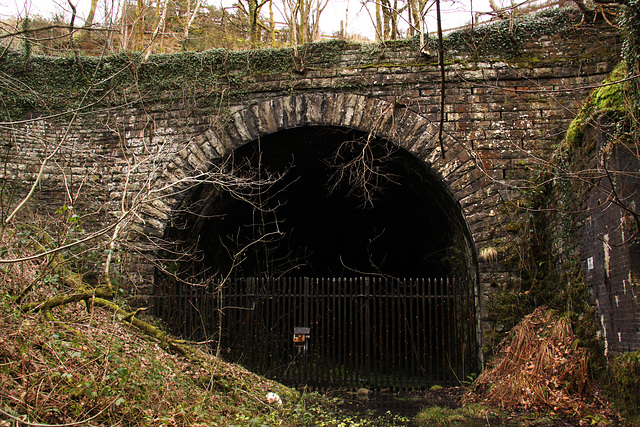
[{"x": 455, "y": 12}]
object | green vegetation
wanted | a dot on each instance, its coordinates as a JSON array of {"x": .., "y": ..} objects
[
  {"x": 74, "y": 352},
  {"x": 63, "y": 83},
  {"x": 555, "y": 205},
  {"x": 630, "y": 24},
  {"x": 468, "y": 415},
  {"x": 58, "y": 84},
  {"x": 84, "y": 360},
  {"x": 623, "y": 383},
  {"x": 82, "y": 364},
  {"x": 610, "y": 99},
  {"x": 505, "y": 38}
]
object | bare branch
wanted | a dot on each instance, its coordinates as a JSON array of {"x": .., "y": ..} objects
[{"x": 54, "y": 27}]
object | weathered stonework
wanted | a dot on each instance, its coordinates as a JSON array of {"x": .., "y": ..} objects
[
  {"x": 611, "y": 249},
  {"x": 501, "y": 117}
]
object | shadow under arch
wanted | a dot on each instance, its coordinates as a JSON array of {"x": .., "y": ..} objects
[
  {"x": 345, "y": 204},
  {"x": 414, "y": 227},
  {"x": 405, "y": 129}
]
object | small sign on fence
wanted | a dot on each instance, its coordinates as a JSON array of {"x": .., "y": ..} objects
[
  {"x": 300, "y": 336},
  {"x": 376, "y": 332}
]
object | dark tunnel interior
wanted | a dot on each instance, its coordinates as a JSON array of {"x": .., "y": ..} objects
[
  {"x": 354, "y": 265},
  {"x": 315, "y": 222}
]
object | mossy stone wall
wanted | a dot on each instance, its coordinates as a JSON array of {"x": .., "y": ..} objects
[{"x": 126, "y": 127}]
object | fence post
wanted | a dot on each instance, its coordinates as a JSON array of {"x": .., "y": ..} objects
[
  {"x": 367, "y": 328},
  {"x": 367, "y": 331}
]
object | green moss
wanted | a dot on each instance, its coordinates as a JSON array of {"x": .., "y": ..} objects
[
  {"x": 610, "y": 98},
  {"x": 574, "y": 132},
  {"x": 513, "y": 227},
  {"x": 467, "y": 415},
  {"x": 380, "y": 65}
]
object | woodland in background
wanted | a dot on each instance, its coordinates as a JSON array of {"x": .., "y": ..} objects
[{"x": 167, "y": 26}]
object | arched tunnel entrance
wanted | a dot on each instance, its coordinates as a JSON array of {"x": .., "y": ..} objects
[{"x": 296, "y": 265}]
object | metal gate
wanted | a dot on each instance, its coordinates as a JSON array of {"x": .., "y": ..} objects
[{"x": 335, "y": 332}]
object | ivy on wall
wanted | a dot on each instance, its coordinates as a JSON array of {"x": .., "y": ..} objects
[
  {"x": 505, "y": 38},
  {"x": 630, "y": 24},
  {"x": 57, "y": 84}
]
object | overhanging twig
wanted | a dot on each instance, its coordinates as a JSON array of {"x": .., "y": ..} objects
[{"x": 442, "y": 77}]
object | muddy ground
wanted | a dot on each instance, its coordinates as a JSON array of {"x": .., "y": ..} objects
[{"x": 387, "y": 408}]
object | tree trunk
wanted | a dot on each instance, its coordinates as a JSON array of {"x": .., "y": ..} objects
[
  {"x": 394, "y": 20},
  {"x": 187, "y": 26},
  {"x": 379, "y": 29},
  {"x": 272, "y": 25},
  {"x": 82, "y": 35}
]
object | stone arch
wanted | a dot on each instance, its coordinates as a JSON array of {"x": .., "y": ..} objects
[
  {"x": 470, "y": 188},
  {"x": 408, "y": 129},
  {"x": 394, "y": 123}
]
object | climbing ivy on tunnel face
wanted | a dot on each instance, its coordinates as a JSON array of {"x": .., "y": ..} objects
[
  {"x": 55, "y": 84},
  {"x": 505, "y": 38}
]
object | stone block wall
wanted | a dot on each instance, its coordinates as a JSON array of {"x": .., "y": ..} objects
[
  {"x": 503, "y": 119},
  {"x": 610, "y": 252}
]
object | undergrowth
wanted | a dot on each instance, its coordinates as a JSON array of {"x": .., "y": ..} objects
[
  {"x": 469, "y": 415},
  {"x": 623, "y": 383},
  {"x": 87, "y": 366},
  {"x": 82, "y": 364}
]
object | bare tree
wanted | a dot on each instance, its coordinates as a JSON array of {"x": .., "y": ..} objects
[
  {"x": 303, "y": 18},
  {"x": 191, "y": 16},
  {"x": 252, "y": 10}
]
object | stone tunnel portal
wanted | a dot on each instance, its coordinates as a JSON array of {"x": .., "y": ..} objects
[{"x": 345, "y": 205}]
